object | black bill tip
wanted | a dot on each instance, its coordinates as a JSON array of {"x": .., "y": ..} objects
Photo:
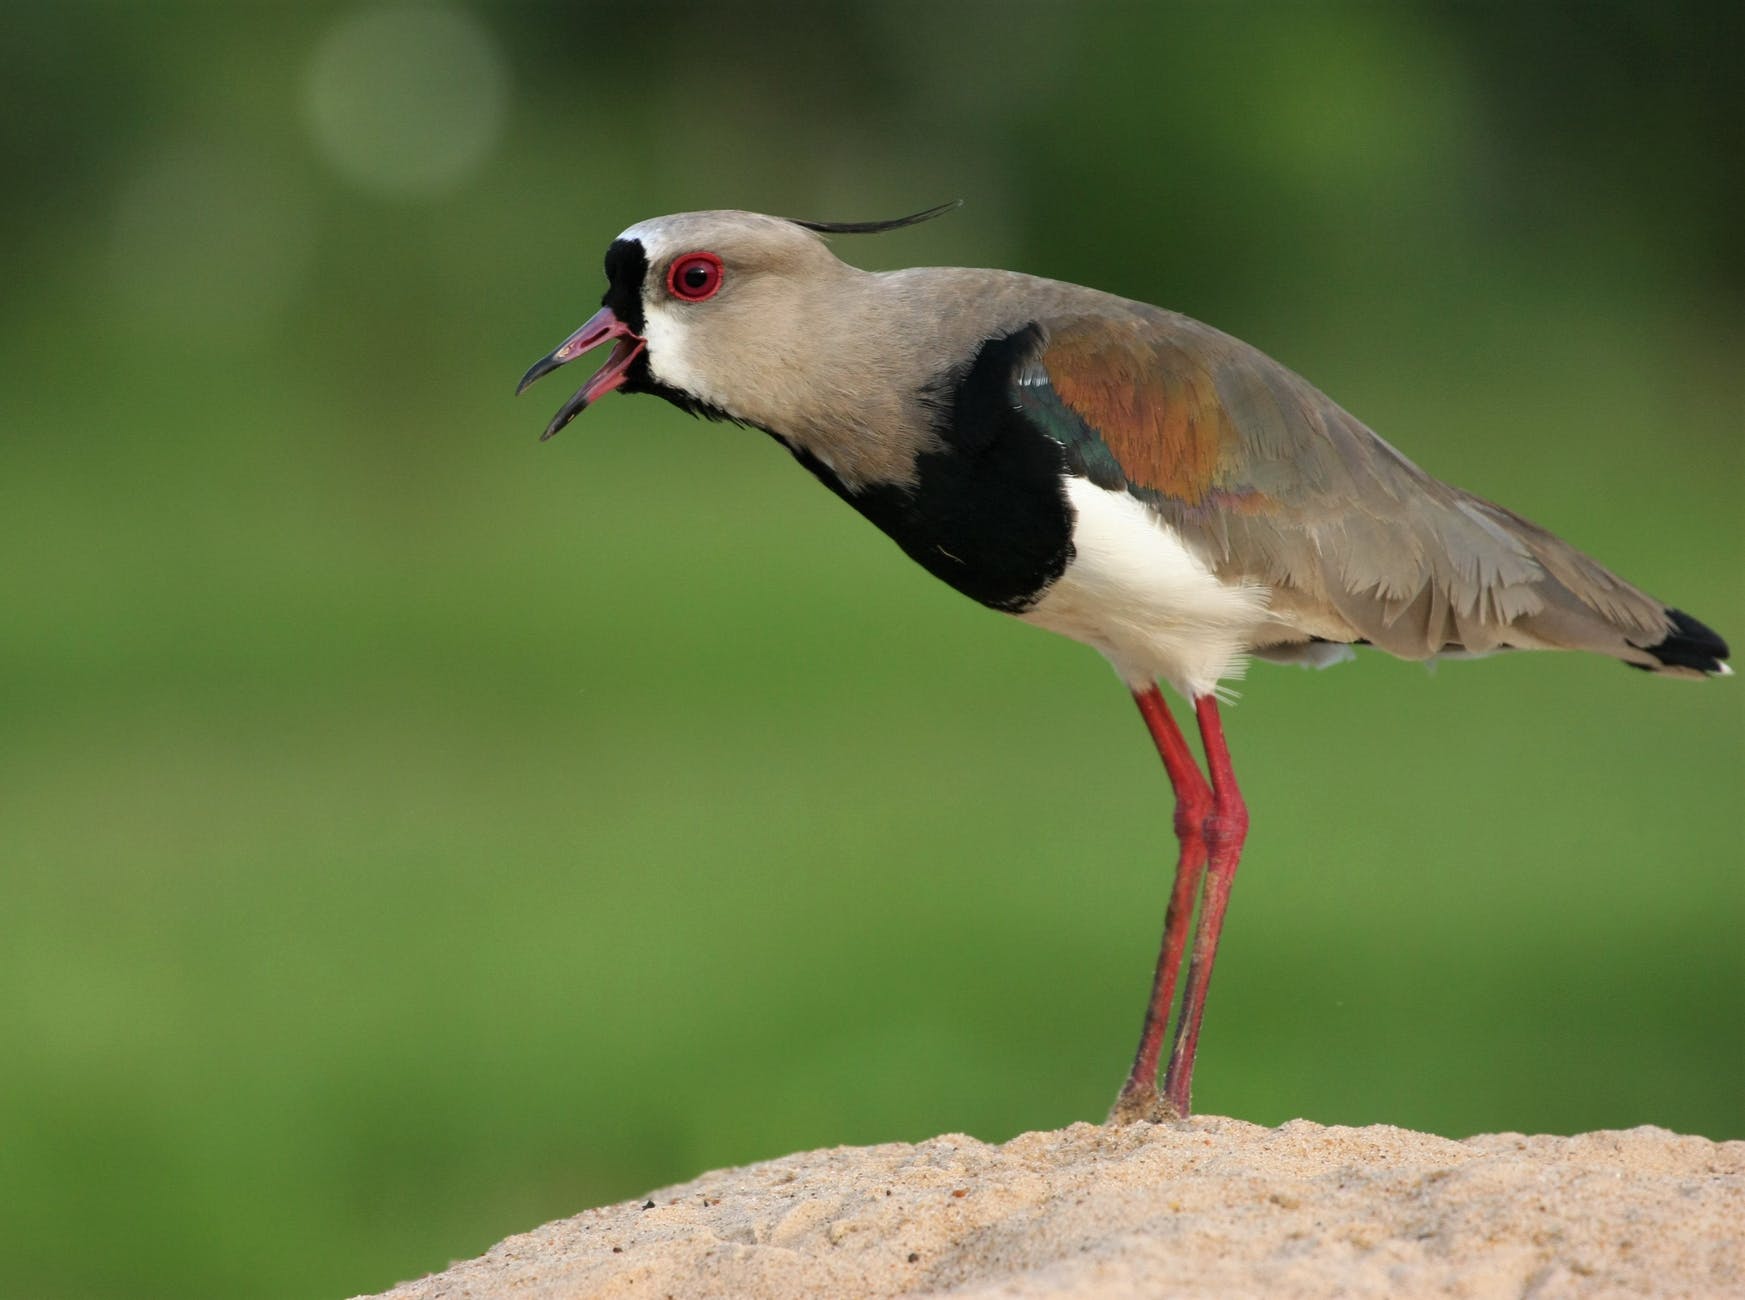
[
  {"x": 577, "y": 403},
  {"x": 537, "y": 371}
]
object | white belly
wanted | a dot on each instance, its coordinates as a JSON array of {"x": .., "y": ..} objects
[{"x": 1135, "y": 593}]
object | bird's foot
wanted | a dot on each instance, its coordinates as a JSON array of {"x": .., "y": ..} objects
[{"x": 1141, "y": 1103}]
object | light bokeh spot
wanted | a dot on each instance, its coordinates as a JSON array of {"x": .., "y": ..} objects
[{"x": 407, "y": 100}]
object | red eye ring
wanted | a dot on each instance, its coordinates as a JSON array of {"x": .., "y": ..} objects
[{"x": 694, "y": 277}]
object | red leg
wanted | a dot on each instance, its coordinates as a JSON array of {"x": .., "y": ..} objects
[
  {"x": 1193, "y": 802},
  {"x": 1226, "y": 828}
]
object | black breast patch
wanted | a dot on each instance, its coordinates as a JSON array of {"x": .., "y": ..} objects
[{"x": 988, "y": 512}]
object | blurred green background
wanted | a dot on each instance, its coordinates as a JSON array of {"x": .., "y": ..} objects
[{"x": 410, "y": 833}]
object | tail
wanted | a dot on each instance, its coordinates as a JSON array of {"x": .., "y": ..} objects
[{"x": 1691, "y": 648}]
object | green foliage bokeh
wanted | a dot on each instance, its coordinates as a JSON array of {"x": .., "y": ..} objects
[{"x": 410, "y": 833}]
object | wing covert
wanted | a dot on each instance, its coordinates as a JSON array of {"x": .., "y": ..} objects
[{"x": 1272, "y": 482}]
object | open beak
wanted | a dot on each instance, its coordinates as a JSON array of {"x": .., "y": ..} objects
[{"x": 626, "y": 345}]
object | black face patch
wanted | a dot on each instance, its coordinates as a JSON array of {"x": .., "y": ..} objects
[
  {"x": 988, "y": 512},
  {"x": 626, "y": 269}
]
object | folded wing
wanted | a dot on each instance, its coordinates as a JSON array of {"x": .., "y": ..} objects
[{"x": 1269, "y": 481}]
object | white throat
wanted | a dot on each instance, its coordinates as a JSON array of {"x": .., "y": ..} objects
[{"x": 668, "y": 356}]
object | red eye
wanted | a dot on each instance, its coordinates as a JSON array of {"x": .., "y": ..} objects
[{"x": 694, "y": 277}]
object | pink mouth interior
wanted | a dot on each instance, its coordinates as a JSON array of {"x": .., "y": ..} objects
[{"x": 616, "y": 370}]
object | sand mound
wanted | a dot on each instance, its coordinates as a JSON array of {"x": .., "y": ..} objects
[{"x": 1209, "y": 1207}]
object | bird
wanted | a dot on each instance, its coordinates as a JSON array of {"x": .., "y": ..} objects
[{"x": 1112, "y": 471}]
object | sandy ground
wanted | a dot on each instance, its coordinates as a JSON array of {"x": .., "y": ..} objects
[{"x": 1209, "y": 1207}]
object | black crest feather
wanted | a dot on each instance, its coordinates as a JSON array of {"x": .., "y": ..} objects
[{"x": 876, "y": 227}]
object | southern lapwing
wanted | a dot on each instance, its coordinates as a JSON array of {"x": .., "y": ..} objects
[{"x": 1108, "y": 470}]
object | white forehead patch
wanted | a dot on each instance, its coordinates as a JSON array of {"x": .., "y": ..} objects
[{"x": 651, "y": 234}]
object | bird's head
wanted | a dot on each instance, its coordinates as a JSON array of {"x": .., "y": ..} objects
[{"x": 706, "y": 308}]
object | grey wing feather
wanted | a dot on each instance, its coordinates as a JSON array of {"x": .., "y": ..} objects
[{"x": 1354, "y": 540}]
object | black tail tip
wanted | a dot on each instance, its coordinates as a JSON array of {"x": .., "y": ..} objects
[{"x": 1692, "y": 646}]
